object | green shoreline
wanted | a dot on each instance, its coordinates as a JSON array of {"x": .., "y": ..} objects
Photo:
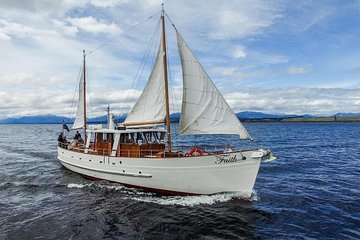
[{"x": 303, "y": 119}]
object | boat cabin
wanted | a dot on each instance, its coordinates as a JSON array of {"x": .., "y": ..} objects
[{"x": 146, "y": 142}]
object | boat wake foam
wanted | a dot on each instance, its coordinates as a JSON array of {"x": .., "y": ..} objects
[
  {"x": 105, "y": 186},
  {"x": 189, "y": 201}
]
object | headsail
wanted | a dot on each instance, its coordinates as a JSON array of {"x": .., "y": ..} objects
[
  {"x": 204, "y": 110},
  {"x": 150, "y": 107},
  {"x": 79, "y": 119}
]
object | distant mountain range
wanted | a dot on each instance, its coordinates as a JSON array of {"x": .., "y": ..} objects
[
  {"x": 245, "y": 116},
  {"x": 41, "y": 119},
  {"x": 260, "y": 115},
  {"x": 347, "y": 114}
]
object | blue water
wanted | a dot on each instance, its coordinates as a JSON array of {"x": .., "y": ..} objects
[{"x": 311, "y": 192}]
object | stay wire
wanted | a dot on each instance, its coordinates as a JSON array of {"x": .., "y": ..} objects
[
  {"x": 152, "y": 46},
  {"x": 139, "y": 72},
  {"x": 172, "y": 23},
  {"x": 147, "y": 53},
  {"x": 176, "y": 103},
  {"x": 121, "y": 34}
]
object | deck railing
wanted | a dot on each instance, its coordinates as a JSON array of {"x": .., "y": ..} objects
[{"x": 176, "y": 152}]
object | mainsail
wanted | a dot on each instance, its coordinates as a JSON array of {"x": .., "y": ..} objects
[
  {"x": 150, "y": 107},
  {"x": 79, "y": 120},
  {"x": 204, "y": 110}
]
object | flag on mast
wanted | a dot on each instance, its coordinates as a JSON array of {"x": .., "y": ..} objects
[{"x": 65, "y": 127}]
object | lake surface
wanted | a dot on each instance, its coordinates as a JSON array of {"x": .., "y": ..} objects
[{"x": 311, "y": 192}]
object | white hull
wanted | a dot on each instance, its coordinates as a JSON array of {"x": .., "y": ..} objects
[{"x": 208, "y": 174}]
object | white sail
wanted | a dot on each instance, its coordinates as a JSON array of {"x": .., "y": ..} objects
[
  {"x": 204, "y": 110},
  {"x": 150, "y": 107},
  {"x": 79, "y": 119}
]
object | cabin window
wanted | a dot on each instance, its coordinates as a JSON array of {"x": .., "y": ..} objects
[
  {"x": 162, "y": 136},
  {"x": 147, "y": 137},
  {"x": 156, "y": 137},
  {"x": 122, "y": 138},
  {"x": 126, "y": 138},
  {"x": 139, "y": 137},
  {"x": 109, "y": 137},
  {"x": 99, "y": 137},
  {"x": 92, "y": 137},
  {"x": 132, "y": 138}
]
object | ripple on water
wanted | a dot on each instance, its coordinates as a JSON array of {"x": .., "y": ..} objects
[{"x": 310, "y": 192}]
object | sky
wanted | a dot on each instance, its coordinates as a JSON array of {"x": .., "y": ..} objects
[{"x": 281, "y": 57}]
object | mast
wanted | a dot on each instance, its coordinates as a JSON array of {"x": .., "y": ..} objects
[
  {"x": 84, "y": 97},
  {"x": 168, "y": 133}
]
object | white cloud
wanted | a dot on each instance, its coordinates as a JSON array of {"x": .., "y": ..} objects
[
  {"x": 262, "y": 58},
  {"x": 298, "y": 70},
  {"x": 107, "y": 3},
  {"x": 317, "y": 101},
  {"x": 239, "y": 52},
  {"x": 8, "y": 29},
  {"x": 4, "y": 37},
  {"x": 235, "y": 73},
  {"x": 236, "y": 20},
  {"x": 38, "y": 9},
  {"x": 61, "y": 102},
  {"x": 67, "y": 29},
  {"x": 42, "y": 41},
  {"x": 91, "y": 24}
]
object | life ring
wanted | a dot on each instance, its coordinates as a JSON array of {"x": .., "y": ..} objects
[{"x": 195, "y": 152}]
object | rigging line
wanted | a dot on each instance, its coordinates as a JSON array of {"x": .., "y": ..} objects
[
  {"x": 152, "y": 47},
  {"x": 123, "y": 33},
  {"x": 147, "y": 55},
  {"x": 141, "y": 66},
  {"x": 144, "y": 59},
  {"x": 170, "y": 21},
  {"x": 138, "y": 75},
  {"x": 88, "y": 89},
  {"x": 176, "y": 104}
]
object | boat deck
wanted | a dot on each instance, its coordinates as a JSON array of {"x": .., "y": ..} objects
[{"x": 154, "y": 150}]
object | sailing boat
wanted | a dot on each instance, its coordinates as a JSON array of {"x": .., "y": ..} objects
[{"x": 134, "y": 152}]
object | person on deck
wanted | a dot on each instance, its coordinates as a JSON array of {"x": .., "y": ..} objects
[
  {"x": 61, "y": 137},
  {"x": 77, "y": 136}
]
